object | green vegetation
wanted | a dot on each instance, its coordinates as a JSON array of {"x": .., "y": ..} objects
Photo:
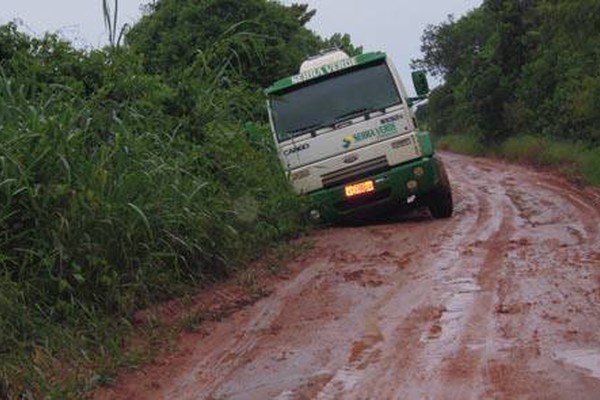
[
  {"x": 268, "y": 39},
  {"x": 522, "y": 71},
  {"x": 579, "y": 162},
  {"x": 467, "y": 144},
  {"x": 126, "y": 178}
]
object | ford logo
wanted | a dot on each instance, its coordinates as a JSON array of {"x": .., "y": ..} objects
[{"x": 350, "y": 159}]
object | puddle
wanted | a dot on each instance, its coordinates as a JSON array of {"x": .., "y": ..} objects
[
  {"x": 307, "y": 388},
  {"x": 584, "y": 360},
  {"x": 344, "y": 381},
  {"x": 469, "y": 288},
  {"x": 492, "y": 345},
  {"x": 463, "y": 294},
  {"x": 459, "y": 302}
]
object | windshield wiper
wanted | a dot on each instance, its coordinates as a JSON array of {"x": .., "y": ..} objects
[
  {"x": 304, "y": 129},
  {"x": 351, "y": 114}
]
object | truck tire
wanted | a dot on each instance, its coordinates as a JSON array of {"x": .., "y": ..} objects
[{"x": 440, "y": 202}]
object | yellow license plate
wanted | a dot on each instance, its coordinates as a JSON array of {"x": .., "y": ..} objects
[{"x": 357, "y": 189}]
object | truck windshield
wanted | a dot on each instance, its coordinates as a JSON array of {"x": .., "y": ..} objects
[{"x": 333, "y": 99}]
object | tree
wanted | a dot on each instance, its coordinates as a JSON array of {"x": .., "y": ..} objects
[
  {"x": 343, "y": 42},
  {"x": 271, "y": 39}
]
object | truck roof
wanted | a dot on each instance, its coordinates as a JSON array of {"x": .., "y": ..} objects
[{"x": 323, "y": 70}]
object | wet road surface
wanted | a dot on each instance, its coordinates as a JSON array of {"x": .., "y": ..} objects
[{"x": 500, "y": 301}]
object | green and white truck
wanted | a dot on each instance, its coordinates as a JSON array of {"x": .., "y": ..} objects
[{"x": 347, "y": 137}]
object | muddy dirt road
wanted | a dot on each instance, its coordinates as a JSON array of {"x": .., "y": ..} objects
[{"x": 501, "y": 301}]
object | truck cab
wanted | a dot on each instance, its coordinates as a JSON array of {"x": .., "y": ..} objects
[{"x": 346, "y": 137}]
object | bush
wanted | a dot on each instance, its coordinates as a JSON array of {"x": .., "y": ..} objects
[
  {"x": 575, "y": 160},
  {"x": 465, "y": 144},
  {"x": 591, "y": 166},
  {"x": 110, "y": 201}
]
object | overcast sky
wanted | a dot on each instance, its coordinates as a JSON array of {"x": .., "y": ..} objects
[{"x": 394, "y": 26}]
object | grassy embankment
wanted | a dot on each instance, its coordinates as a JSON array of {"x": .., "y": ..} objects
[
  {"x": 118, "y": 189},
  {"x": 577, "y": 162}
]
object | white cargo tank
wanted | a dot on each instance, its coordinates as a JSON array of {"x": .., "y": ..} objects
[{"x": 322, "y": 59}]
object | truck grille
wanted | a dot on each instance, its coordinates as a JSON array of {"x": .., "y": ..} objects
[{"x": 355, "y": 172}]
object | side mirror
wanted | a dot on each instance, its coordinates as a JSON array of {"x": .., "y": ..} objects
[{"x": 420, "y": 82}]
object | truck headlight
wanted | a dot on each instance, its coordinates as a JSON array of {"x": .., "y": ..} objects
[
  {"x": 315, "y": 215},
  {"x": 296, "y": 176},
  {"x": 412, "y": 185},
  {"x": 419, "y": 172},
  {"x": 401, "y": 143}
]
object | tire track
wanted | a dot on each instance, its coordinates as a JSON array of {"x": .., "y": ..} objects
[{"x": 501, "y": 301}]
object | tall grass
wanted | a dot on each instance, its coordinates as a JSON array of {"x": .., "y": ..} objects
[
  {"x": 466, "y": 144},
  {"x": 111, "y": 199},
  {"x": 111, "y": 20},
  {"x": 577, "y": 161}
]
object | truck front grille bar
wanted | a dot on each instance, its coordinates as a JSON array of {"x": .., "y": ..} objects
[{"x": 355, "y": 172}]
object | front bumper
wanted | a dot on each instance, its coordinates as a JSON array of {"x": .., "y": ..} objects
[{"x": 391, "y": 188}]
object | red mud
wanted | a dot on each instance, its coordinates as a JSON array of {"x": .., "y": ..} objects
[{"x": 500, "y": 301}]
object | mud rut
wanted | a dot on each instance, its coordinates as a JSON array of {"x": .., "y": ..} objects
[{"x": 501, "y": 301}]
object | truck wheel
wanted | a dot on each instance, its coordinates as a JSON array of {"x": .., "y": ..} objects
[{"x": 440, "y": 202}]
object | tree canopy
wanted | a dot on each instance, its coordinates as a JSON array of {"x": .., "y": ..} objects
[
  {"x": 268, "y": 39},
  {"x": 517, "y": 66}
]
